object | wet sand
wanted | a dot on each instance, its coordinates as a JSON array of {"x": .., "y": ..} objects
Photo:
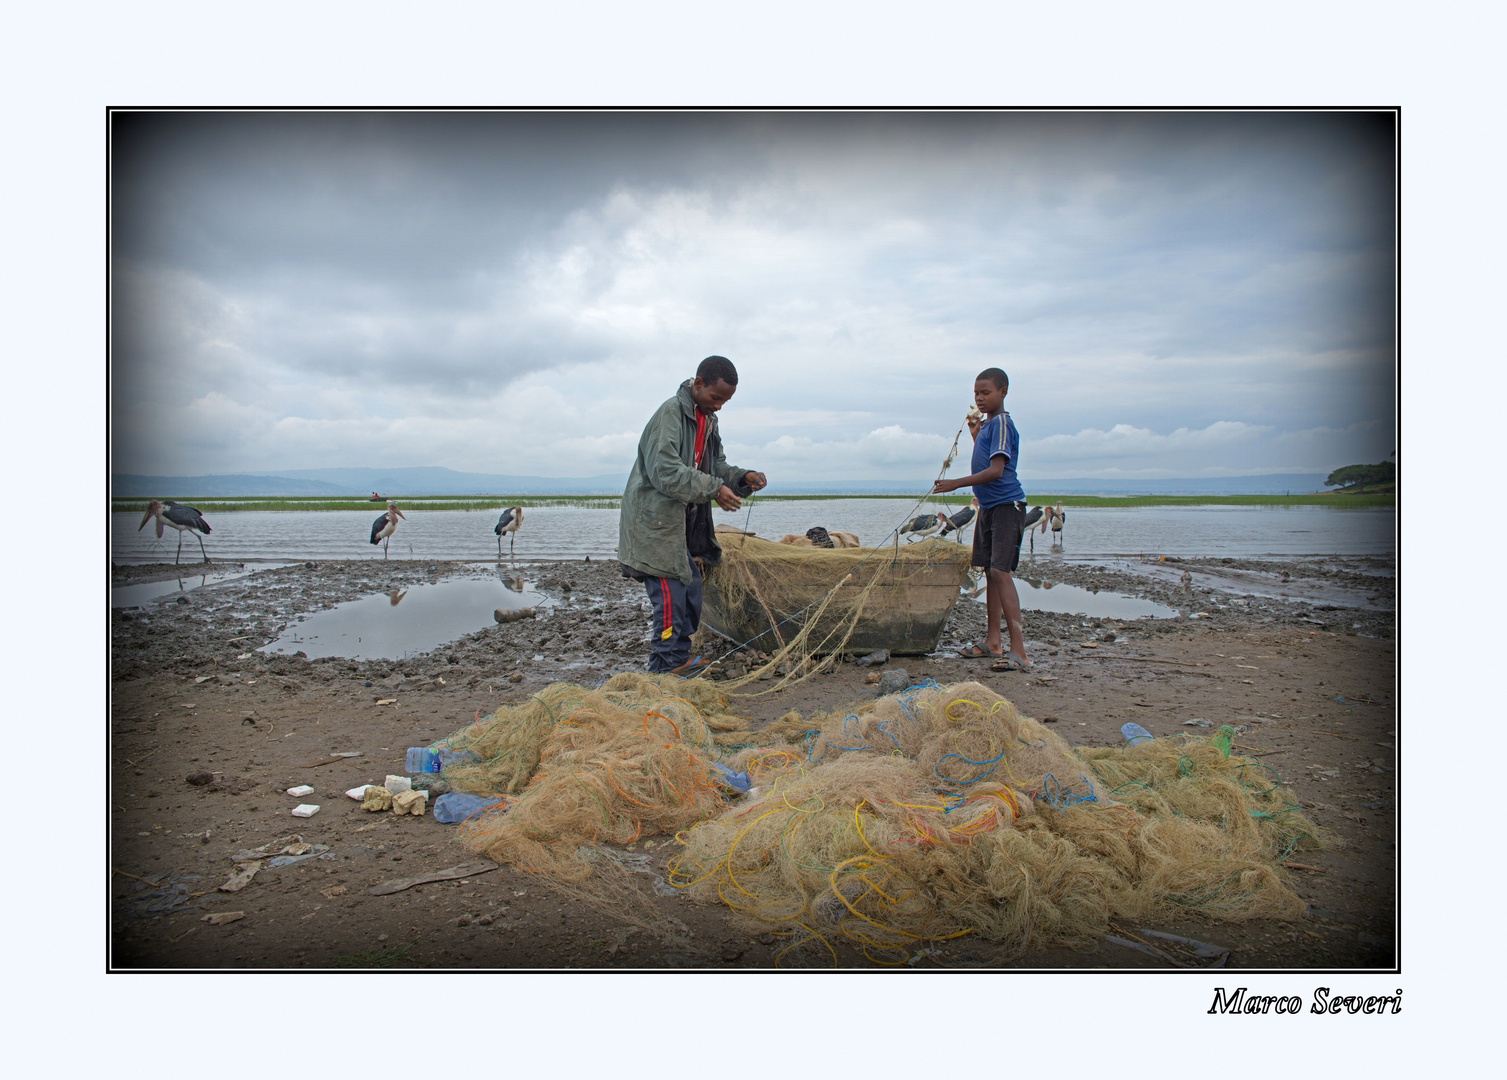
[{"x": 192, "y": 696}]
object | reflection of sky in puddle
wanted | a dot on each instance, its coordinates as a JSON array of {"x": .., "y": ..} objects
[
  {"x": 390, "y": 626},
  {"x": 1071, "y": 600},
  {"x": 126, "y": 596}
]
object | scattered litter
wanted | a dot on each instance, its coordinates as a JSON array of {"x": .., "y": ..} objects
[
  {"x": 244, "y": 656},
  {"x": 305, "y": 810},
  {"x": 1195, "y": 722},
  {"x": 737, "y": 781},
  {"x": 358, "y": 793},
  {"x": 387, "y": 701},
  {"x": 880, "y": 657},
  {"x": 376, "y": 798},
  {"x": 448, "y": 874},
  {"x": 242, "y": 876},
  {"x": 1088, "y": 645},
  {"x": 396, "y": 784},
  {"x": 301, "y": 790},
  {"x": 219, "y": 918},
  {"x": 203, "y": 678},
  {"x": 311, "y": 851},
  {"x": 453, "y": 807},
  {"x": 1135, "y": 734},
  {"x": 299, "y": 849},
  {"x": 331, "y": 893}
]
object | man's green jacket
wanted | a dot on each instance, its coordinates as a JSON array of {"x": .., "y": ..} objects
[{"x": 651, "y": 535}]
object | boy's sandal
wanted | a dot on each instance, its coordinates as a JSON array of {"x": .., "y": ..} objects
[
  {"x": 973, "y": 652},
  {"x": 1011, "y": 662}
]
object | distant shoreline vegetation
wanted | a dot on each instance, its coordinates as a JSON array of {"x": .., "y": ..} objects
[{"x": 495, "y": 503}]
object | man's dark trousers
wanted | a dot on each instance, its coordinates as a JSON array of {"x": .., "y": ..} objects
[{"x": 677, "y": 615}]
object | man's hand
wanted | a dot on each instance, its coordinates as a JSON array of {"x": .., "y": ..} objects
[
  {"x": 754, "y": 480},
  {"x": 727, "y": 498},
  {"x": 943, "y": 486}
]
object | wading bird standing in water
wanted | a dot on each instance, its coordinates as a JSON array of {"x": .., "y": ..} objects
[
  {"x": 176, "y": 516},
  {"x": 511, "y": 518},
  {"x": 1055, "y": 517},
  {"x": 386, "y": 525}
]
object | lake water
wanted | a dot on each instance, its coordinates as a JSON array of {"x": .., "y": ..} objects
[
  {"x": 567, "y": 532},
  {"x": 392, "y": 625}
]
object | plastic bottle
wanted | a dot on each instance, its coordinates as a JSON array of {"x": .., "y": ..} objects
[
  {"x": 456, "y": 806},
  {"x": 1221, "y": 741},
  {"x": 431, "y": 759}
]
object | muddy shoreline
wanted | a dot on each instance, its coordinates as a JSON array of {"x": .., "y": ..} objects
[{"x": 1309, "y": 678}]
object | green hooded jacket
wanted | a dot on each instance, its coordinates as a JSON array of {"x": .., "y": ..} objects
[{"x": 651, "y": 537}]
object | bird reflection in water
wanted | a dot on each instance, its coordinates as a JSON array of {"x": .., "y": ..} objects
[
  {"x": 512, "y": 582},
  {"x": 395, "y": 596}
]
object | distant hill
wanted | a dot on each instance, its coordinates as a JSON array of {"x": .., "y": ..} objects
[
  {"x": 1270, "y": 484},
  {"x": 335, "y": 482},
  {"x": 133, "y": 486},
  {"x": 438, "y": 481}
]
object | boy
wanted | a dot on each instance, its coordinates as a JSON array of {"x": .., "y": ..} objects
[
  {"x": 665, "y": 524},
  {"x": 1001, "y": 519}
]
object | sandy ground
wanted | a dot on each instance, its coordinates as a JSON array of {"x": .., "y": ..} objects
[{"x": 1298, "y": 654}]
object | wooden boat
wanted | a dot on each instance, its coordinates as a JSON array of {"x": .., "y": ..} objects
[{"x": 763, "y": 593}]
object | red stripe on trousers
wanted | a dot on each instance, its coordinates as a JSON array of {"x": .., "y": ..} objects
[{"x": 664, "y": 588}]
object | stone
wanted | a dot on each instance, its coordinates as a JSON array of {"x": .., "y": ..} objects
[
  {"x": 893, "y": 681},
  {"x": 377, "y": 798},
  {"x": 410, "y": 802},
  {"x": 199, "y": 779},
  {"x": 872, "y": 677}
]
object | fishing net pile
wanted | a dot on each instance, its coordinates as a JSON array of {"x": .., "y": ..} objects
[
  {"x": 828, "y": 590},
  {"x": 632, "y": 757},
  {"x": 933, "y": 814}
]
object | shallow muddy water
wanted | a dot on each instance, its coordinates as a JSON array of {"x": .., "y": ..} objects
[
  {"x": 405, "y": 621},
  {"x": 566, "y": 532},
  {"x": 130, "y": 596},
  {"x": 1071, "y": 600}
]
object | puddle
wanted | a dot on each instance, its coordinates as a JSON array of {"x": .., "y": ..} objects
[
  {"x": 1072, "y": 600},
  {"x": 129, "y": 596},
  {"x": 391, "y": 626}
]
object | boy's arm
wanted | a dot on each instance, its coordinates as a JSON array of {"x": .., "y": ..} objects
[
  {"x": 743, "y": 482},
  {"x": 995, "y": 470}
]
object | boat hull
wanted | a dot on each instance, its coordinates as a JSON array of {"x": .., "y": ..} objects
[{"x": 904, "y": 616}]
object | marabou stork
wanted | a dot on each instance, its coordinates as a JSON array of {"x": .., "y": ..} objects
[
  {"x": 1056, "y": 517},
  {"x": 1033, "y": 515},
  {"x": 511, "y": 518},
  {"x": 926, "y": 524},
  {"x": 386, "y": 525},
  {"x": 955, "y": 522},
  {"x": 176, "y": 516}
]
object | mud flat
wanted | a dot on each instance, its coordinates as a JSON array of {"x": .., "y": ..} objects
[{"x": 1304, "y": 666}]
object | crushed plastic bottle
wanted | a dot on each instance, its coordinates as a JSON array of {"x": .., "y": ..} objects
[
  {"x": 457, "y": 806},
  {"x": 1221, "y": 741},
  {"x": 431, "y": 759}
]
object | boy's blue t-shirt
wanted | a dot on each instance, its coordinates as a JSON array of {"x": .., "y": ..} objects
[{"x": 997, "y": 436}]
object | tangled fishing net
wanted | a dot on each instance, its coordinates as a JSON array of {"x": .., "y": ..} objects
[
  {"x": 804, "y": 602},
  {"x": 928, "y": 815}
]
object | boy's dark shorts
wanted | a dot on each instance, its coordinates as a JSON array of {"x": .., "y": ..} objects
[{"x": 997, "y": 535}]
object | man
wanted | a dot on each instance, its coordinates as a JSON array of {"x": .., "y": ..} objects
[{"x": 666, "y": 523}]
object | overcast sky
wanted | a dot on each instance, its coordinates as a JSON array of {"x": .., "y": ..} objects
[{"x": 1172, "y": 295}]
